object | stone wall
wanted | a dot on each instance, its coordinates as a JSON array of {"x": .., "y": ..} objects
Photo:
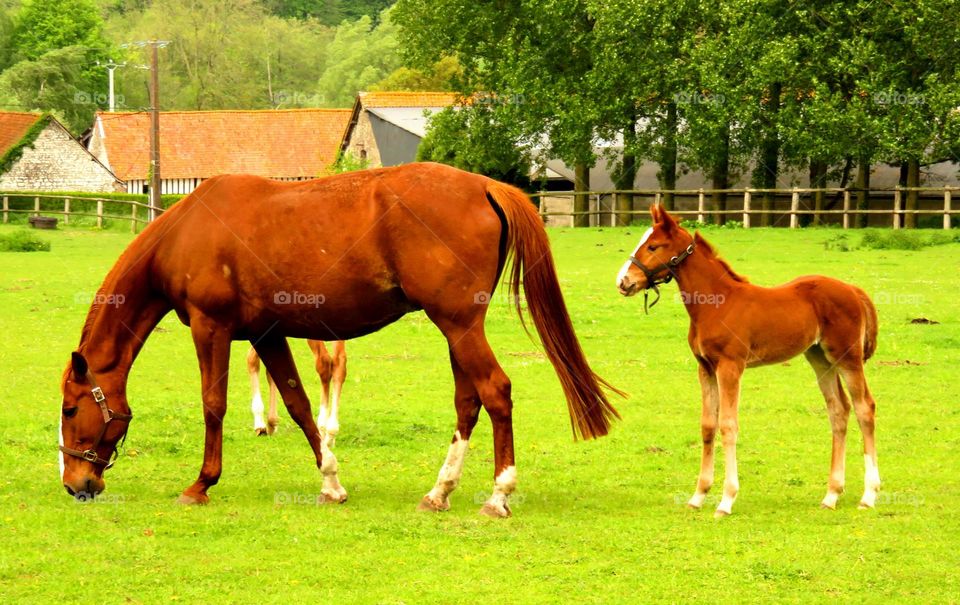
[
  {"x": 57, "y": 162},
  {"x": 362, "y": 139}
]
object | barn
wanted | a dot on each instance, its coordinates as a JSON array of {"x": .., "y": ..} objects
[{"x": 289, "y": 145}]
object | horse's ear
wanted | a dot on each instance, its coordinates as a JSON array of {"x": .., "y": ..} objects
[
  {"x": 667, "y": 221},
  {"x": 80, "y": 366},
  {"x": 655, "y": 213}
]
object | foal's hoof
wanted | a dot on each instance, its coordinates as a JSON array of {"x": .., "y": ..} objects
[
  {"x": 272, "y": 426},
  {"x": 333, "y": 497},
  {"x": 864, "y": 505},
  {"x": 430, "y": 505},
  {"x": 826, "y": 506},
  {"x": 495, "y": 512},
  {"x": 720, "y": 514},
  {"x": 186, "y": 498},
  {"x": 260, "y": 431}
]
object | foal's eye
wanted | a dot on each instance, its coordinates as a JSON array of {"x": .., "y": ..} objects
[
  {"x": 652, "y": 248},
  {"x": 70, "y": 412}
]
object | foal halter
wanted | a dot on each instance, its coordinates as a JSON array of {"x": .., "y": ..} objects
[
  {"x": 90, "y": 454},
  {"x": 661, "y": 274}
]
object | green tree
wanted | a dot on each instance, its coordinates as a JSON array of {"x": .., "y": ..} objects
[
  {"x": 360, "y": 55},
  {"x": 442, "y": 76},
  {"x": 52, "y": 82}
]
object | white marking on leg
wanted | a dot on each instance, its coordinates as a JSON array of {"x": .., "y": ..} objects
[
  {"x": 731, "y": 483},
  {"x": 450, "y": 472},
  {"x": 503, "y": 486},
  {"x": 626, "y": 265},
  {"x": 871, "y": 482},
  {"x": 60, "y": 432},
  {"x": 256, "y": 406}
]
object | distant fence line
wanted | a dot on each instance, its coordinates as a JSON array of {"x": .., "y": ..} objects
[
  {"x": 695, "y": 203},
  {"x": 604, "y": 207},
  {"x": 67, "y": 212}
]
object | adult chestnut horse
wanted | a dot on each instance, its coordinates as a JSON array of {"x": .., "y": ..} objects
[
  {"x": 247, "y": 258},
  {"x": 735, "y": 325}
]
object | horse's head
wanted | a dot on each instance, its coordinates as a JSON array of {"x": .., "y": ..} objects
[
  {"x": 90, "y": 429},
  {"x": 661, "y": 249}
]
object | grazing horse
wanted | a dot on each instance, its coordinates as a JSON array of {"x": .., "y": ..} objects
[
  {"x": 735, "y": 325},
  {"x": 332, "y": 370},
  {"x": 357, "y": 252}
]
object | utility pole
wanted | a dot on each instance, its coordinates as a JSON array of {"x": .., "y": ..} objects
[
  {"x": 154, "y": 132},
  {"x": 111, "y": 67},
  {"x": 155, "y": 181}
]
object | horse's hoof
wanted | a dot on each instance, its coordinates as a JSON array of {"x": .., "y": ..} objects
[
  {"x": 825, "y": 506},
  {"x": 693, "y": 506},
  {"x": 495, "y": 512},
  {"x": 189, "y": 499},
  {"x": 272, "y": 426},
  {"x": 864, "y": 505},
  {"x": 260, "y": 432},
  {"x": 720, "y": 514},
  {"x": 429, "y": 505},
  {"x": 333, "y": 498}
]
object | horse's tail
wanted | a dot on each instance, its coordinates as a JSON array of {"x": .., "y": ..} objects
[
  {"x": 870, "y": 325},
  {"x": 590, "y": 411}
]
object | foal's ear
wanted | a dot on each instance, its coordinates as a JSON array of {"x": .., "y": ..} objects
[
  {"x": 667, "y": 221},
  {"x": 655, "y": 213},
  {"x": 80, "y": 366}
]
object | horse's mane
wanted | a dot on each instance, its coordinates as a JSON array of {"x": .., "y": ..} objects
[{"x": 708, "y": 251}]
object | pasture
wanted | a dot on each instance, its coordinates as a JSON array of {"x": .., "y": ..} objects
[{"x": 593, "y": 522}]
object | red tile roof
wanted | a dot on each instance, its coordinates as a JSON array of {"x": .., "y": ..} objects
[
  {"x": 200, "y": 144},
  {"x": 15, "y": 124},
  {"x": 407, "y": 99}
]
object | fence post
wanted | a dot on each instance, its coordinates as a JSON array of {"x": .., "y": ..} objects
[
  {"x": 896, "y": 208},
  {"x": 746, "y": 208},
  {"x": 133, "y": 217},
  {"x": 66, "y": 211},
  {"x": 36, "y": 206},
  {"x": 656, "y": 199},
  {"x": 701, "y": 206},
  {"x": 947, "y": 202},
  {"x": 794, "y": 206},
  {"x": 99, "y": 214},
  {"x": 6, "y": 210},
  {"x": 846, "y": 208}
]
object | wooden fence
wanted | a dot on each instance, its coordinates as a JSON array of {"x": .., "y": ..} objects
[
  {"x": 696, "y": 204},
  {"x": 67, "y": 212}
]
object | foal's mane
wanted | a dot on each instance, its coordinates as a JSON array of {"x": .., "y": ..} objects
[{"x": 708, "y": 251}]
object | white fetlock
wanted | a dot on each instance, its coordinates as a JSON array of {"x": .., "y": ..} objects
[{"x": 696, "y": 500}]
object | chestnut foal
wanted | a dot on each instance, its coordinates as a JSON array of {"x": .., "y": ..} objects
[
  {"x": 332, "y": 369},
  {"x": 735, "y": 325}
]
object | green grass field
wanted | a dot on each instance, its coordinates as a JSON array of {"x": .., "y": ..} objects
[{"x": 593, "y": 522}]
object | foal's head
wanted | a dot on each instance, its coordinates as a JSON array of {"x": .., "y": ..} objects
[
  {"x": 661, "y": 249},
  {"x": 89, "y": 428}
]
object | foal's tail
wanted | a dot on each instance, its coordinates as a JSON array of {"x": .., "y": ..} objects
[
  {"x": 870, "y": 325},
  {"x": 590, "y": 412}
]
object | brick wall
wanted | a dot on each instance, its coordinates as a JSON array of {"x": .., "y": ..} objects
[
  {"x": 57, "y": 162},
  {"x": 361, "y": 139}
]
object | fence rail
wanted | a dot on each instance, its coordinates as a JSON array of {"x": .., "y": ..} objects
[
  {"x": 67, "y": 212},
  {"x": 696, "y": 203}
]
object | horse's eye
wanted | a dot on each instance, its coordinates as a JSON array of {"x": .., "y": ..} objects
[
  {"x": 652, "y": 248},
  {"x": 70, "y": 412}
]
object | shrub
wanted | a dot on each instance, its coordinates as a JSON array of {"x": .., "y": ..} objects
[{"x": 22, "y": 241}]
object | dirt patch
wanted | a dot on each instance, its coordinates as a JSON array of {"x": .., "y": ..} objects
[
  {"x": 902, "y": 362},
  {"x": 924, "y": 321}
]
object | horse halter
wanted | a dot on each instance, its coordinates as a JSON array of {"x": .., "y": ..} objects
[
  {"x": 90, "y": 454},
  {"x": 665, "y": 271}
]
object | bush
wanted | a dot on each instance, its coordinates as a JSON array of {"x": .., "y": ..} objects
[
  {"x": 22, "y": 241},
  {"x": 906, "y": 240}
]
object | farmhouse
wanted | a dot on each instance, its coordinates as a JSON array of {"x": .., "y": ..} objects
[
  {"x": 38, "y": 154},
  {"x": 385, "y": 128},
  {"x": 289, "y": 145}
]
